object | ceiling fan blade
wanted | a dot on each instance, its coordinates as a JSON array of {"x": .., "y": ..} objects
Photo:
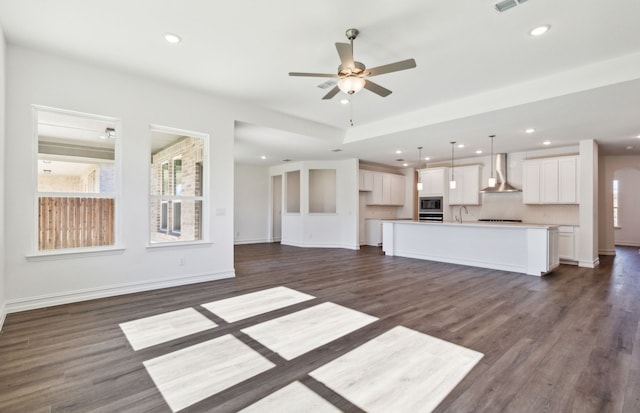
[
  {"x": 376, "y": 88},
  {"x": 312, "y": 74},
  {"x": 331, "y": 93},
  {"x": 392, "y": 67},
  {"x": 346, "y": 55}
]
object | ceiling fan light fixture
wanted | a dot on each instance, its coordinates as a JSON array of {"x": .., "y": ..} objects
[{"x": 351, "y": 84}]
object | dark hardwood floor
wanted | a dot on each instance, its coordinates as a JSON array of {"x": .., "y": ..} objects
[{"x": 566, "y": 342}]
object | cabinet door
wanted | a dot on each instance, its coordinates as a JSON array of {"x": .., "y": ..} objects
[
  {"x": 567, "y": 180},
  {"x": 386, "y": 189},
  {"x": 377, "y": 190},
  {"x": 567, "y": 243},
  {"x": 366, "y": 180},
  {"x": 397, "y": 189},
  {"x": 423, "y": 178},
  {"x": 374, "y": 232},
  {"x": 433, "y": 181},
  {"x": 471, "y": 185},
  {"x": 531, "y": 182},
  {"x": 549, "y": 182},
  {"x": 455, "y": 194},
  {"x": 467, "y": 191}
]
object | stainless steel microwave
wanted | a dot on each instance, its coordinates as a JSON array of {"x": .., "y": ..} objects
[{"x": 431, "y": 204}]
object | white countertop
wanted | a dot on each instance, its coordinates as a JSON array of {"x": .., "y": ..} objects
[{"x": 477, "y": 224}]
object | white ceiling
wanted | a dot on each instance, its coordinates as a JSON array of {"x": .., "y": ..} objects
[{"x": 478, "y": 72}]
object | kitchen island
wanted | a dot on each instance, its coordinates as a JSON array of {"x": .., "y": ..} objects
[{"x": 524, "y": 248}]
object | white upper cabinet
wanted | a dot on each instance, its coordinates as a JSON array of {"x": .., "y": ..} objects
[
  {"x": 531, "y": 183},
  {"x": 433, "y": 181},
  {"x": 386, "y": 189},
  {"x": 550, "y": 181},
  {"x": 467, "y": 191},
  {"x": 568, "y": 180},
  {"x": 366, "y": 180},
  {"x": 397, "y": 189}
]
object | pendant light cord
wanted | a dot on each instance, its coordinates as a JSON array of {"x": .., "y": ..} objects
[
  {"x": 492, "y": 136},
  {"x": 452, "y": 169}
]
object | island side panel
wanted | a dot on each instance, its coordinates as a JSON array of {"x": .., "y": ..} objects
[{"x": 388, "y": 236}]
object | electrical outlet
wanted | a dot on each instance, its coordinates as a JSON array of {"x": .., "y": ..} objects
[{"x": 182, "y": 261}]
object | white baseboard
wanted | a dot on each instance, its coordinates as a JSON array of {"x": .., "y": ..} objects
[
  {"x": 589, "y": 264},
  {"x": 628, "y": 244},
  {"x": 302, "y": 245},
  {"x": 3, "y": 315},
  {"x": 30, "y": 303},
  {"x": 252, "y": 241}
]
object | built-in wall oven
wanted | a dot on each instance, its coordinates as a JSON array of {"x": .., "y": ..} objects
[{"x": 430, "y": 209}]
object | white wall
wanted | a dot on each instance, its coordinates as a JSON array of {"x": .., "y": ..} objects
[
  {"x": 251, "y": 204},
  {"x": 626, "y": 168},
  {"x": 48, "y": 80},
  {"x": 339, "y": 230},
  {"x": 2, "y": 175}
]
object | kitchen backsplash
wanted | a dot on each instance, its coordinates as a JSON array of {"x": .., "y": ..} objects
[{"x": 510, "y": 206}]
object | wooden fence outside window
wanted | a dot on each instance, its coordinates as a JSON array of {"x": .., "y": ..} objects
[{"x": 75, "y": 222}]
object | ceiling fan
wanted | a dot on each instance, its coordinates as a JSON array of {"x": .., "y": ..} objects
[{"x": 354, "y": 75}]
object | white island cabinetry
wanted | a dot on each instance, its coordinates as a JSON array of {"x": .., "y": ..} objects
[{"x": 522, "y": 248}]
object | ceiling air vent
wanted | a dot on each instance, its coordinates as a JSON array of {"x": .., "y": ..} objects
[
  {"x": 508, "y": 4},
  {"x": 327, "y": 84}
]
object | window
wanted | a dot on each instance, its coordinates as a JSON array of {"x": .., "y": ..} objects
[
  {"x": 76, "y": 180},
  {"x": 176, "y": 185},
  {"x": 616, "y": 223},
  {"x": 322, "y": 191}
]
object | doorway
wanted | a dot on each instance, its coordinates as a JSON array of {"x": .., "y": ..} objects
[{"x": 276, "y": 208}]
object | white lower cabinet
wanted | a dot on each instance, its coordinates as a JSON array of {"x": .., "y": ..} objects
[
  {"x": 568, "y": 244},
  {"x": 373, "y": 232}
]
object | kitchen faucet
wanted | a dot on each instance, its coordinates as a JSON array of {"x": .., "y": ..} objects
[{"x": 459, "y": 217}]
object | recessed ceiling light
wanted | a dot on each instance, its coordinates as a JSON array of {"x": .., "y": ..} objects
[
  {"x": 263, "y": 157},
  {"x": 546, "y": 143},
  {"x": 461, "y": 145},
  {"x": 427, "y": 159},
  {"x": 405, "y": 164},
  {"x": 398, "y": 151},
  {"x": 638, "y": 136},
  {"x": 172, "y": 38},
  {"x": 530, "y": 130},
  {"x": 540, "y": 30},
  {"x": 344, "y": 101},
  {"x": 479, "y": 151}
]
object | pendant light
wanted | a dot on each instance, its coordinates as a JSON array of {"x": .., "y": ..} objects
[
  {"x": 419, "y": 185},
  {"x": 492, "y": 180},
  {"x": 452, "y": 182}
]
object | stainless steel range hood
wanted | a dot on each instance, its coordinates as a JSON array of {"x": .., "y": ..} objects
[{"x": 502, "y": 185}]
